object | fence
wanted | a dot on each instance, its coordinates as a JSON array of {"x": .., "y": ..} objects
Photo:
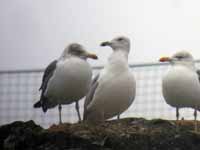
[{"x": 19, "y": 91}]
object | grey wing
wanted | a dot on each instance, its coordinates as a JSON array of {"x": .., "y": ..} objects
[
  {"x": 198, "y": 73},
  {"x": 47, "y": 74},
  {"x": 43, "y": 102},
  {"x": 90, "y": 95}
]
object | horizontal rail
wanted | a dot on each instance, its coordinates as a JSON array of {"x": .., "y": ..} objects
[
  {"x": 94, "y": 67},
  {"x": 21, "y": 71}
]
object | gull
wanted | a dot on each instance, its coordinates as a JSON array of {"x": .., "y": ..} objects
[
  {"x": 66, "y": 80},
  {"x": 113, "y": 90},
  {"x": 181, "y": 85}
]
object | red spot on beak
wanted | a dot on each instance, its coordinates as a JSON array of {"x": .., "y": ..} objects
[
  {"x": 92, "y": 56},
  {"x": 164, "y": 59}
]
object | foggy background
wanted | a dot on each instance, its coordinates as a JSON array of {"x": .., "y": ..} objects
[{"x": 34, "y": 32}]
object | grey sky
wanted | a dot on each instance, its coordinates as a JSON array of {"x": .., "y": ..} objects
[{"x": 34, "y": 32}]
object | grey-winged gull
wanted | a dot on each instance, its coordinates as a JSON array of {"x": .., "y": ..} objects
[
  {"x": 66, "y": 80},
  {"x": 181, "y": 85},
  {"x": 113, "y": 90}
]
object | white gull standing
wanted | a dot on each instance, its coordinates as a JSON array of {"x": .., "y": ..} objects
[
  {"x": 181, "y": 85},
  {"x": 66, "y": 80},
  {"x": 113, "y": 90}
]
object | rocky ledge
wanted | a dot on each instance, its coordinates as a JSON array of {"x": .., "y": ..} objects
[{"x": 125, "y": 134}]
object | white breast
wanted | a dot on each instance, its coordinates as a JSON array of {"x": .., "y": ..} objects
[
  {"x": 181, "y": 87},
  {"x": 70, "y": 81},
  {"x": 115, "y": 92}
]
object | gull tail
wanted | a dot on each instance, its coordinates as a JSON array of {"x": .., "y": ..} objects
[
  {"x": 41, "y": 103},
  {"x": 37, "y": 104}
]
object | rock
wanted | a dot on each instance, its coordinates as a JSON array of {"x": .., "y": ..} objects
[
  {"x": 126, "y": 134},
  {"x": 18, "y": 135}
]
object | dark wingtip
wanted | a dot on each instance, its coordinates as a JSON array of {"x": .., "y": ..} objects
[{"x": 37, "y": 104}]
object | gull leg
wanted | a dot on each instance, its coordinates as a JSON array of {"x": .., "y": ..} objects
[
  {"x": 177, "y": 113},
  {"x": 59, "y": 109},
  {"x": 118, "y": 116},
  {"x": 177, "y": 118},
  {"x": 103, "y": 116},
  {"x": 195, "y": 120},
  {"x": 104, "y": 120},
  {"x": 77, "y": 110}
]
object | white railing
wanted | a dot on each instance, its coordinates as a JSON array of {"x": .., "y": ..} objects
[{"x": 19, "y": 91}]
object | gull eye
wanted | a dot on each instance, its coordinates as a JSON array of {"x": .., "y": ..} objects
[
  {"x": 120, "y": 39},
  {"x": 78, "y": 51},
  {"x": 179, "y": 57}
]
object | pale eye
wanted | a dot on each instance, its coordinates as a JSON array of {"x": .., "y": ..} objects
[{"x": 79, "y": 51}]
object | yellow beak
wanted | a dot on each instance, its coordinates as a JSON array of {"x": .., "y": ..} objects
[{"x": 92, "y": 56}]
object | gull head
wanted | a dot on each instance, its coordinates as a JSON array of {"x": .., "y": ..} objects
[
  {"x": 77, "y": 50},
  {"x": 118, "y": 43},
  {"x": 180, "y": 57}
]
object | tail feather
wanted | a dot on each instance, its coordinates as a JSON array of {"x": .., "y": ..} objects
[{"x": 44, "y": 108}]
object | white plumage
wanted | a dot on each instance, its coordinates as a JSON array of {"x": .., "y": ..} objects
[
  {"x": 181, "y": 85},
  {"x": 70, "y": 81},
  {"x": 115, "y": 87},
  {"x": 67, "y": 79}
]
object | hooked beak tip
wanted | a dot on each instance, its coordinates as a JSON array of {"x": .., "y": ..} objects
[
  {"x": 92, "y": 56},
  {"x": 105, "y": 43}
]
